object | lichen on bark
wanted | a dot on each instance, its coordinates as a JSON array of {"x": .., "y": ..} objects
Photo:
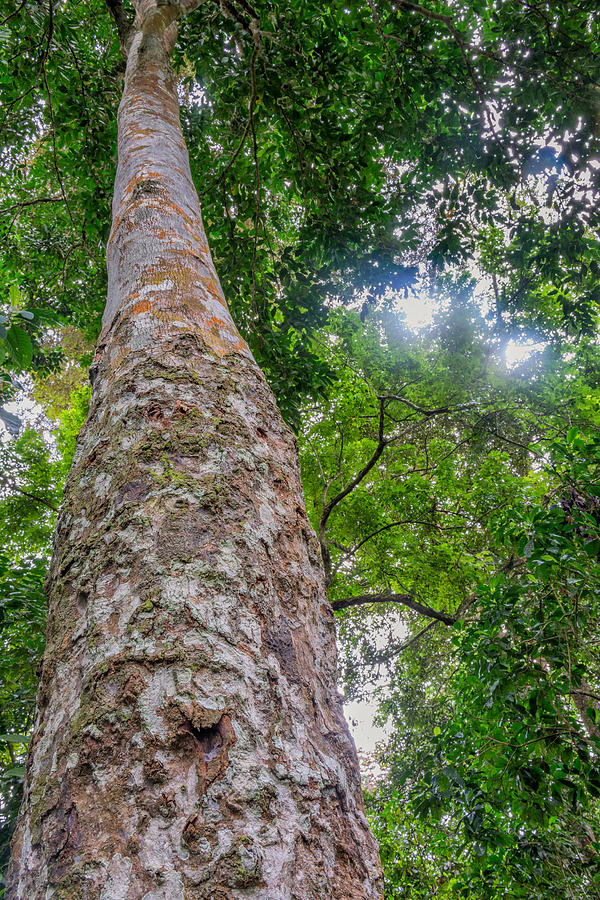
[{"x": 190, "y": 741}]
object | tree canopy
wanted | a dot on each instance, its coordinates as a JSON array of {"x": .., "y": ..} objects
[{"x": 353, "y": 161}]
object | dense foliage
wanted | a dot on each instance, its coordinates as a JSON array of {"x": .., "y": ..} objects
[
  {"x": 509, "y": 757},
  {"x": 353, "y": 160}
]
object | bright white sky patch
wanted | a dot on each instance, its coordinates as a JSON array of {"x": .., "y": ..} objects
[
  {"x": 417, "y": 309},
  {"x": 360, "y": 716},
  {"x": 519, "y": 351},
  {"x": 367, "y": 735}
]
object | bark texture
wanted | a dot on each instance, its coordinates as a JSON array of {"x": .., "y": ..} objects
[{"x": 190, "y": 742}]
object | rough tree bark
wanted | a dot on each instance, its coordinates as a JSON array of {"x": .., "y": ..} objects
[{"x": 190, "y": 741}]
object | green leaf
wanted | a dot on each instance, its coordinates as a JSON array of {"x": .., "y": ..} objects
[
  {"x": 20, "y": 345},
  {"x": 14, "y": 295},
  {"x": 14, "y": 772}
]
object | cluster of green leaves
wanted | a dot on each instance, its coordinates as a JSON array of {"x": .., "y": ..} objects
[
  {"x": 507, "y": 762},
  {"x": 333, "y": 145},
  {"x": 472, "y": 444},
  {"x": 457, "y": 426},
  {"x": 368, "y": 135},
  {"x": 22, "y": 626},
  {"x": 58, "y": 91},
  {"x": 32, "y": 471},
  {"x": 418, "y": 857}
]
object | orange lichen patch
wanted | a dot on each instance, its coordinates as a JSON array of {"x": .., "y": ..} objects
[
  {"x": 150, "y": 87},
  {"x": 212, "y": 287},
  {"x": 215, "y": 322},
  {"x": 223, "y": 340},
  {"x": 137, "y": 102},
  {"x": 196, "y": 232},
  {"x": 140, "y": 307}
]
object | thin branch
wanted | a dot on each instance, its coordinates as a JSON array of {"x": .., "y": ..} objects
[
  {"x": 301, "y": 160},
  {"x": 15, "y": 487},
  {"x": 502, "y": 437},
  {"x": 36, "y": 499},
  {"x": 428, "y": 413},
  {"x": 463, "y": 45},
  {"x": 253, "y": 27},
  {"x": 395, "y": 649},
  {"x": 383, "y": 39},
  {"x": 11, "y": 753},
  {"x": 257, "y": 214},
  {"x": 404, "y": 599},
  {"x": 402, "y": 522},
  {"x": 51, "y": 108},
  {"x": 351, "y": 551},
  {"x": 54, "y": 154},
  {"x": 328, "y": 509},
  {"x": 16, "y": 12},
  {"x": 23, "y": 203},
  {"x": 586, "y": 694},
  {"x": 316, "y": 456},
  {"x": 239, "y": 147}
]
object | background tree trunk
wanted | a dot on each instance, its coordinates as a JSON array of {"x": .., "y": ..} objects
[{"x": 190, "y": 741}]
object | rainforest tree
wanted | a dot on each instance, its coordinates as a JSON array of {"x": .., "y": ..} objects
[
  {"x": 189, "y": 735},
  {"x": 343, "y": 154}
]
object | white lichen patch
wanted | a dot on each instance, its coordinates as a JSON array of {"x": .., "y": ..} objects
[
  {"x": 102, "y": 485},
  {"x": 78, "y": 527},
  {"x": 117, "y": 883},
  {"x": 160, "y": 685}
]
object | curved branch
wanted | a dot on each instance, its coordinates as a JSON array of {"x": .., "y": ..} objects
[
  {"x": 12, "y": 14},
  {"x": 351, "y": 551},
  {"x": 404, "y": 599},
  {"x": 328, "y": 509},
  {"x": 15, "y": 487}
]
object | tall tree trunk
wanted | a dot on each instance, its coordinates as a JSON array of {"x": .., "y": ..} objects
[{"x": 190, "y": 742}]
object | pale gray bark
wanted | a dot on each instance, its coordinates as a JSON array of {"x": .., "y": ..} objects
[{"x": 190, "y": 742}]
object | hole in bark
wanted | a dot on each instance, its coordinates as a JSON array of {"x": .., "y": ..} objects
[
  {"x": 154, "y": 412},
  {"x": 261, "y": 432},
  {"x": 205, "y": 736},
  {"x": 148, "y": 187},
  {"x": 209, "y": 739},
  {"x": 82, "y": 601}
]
